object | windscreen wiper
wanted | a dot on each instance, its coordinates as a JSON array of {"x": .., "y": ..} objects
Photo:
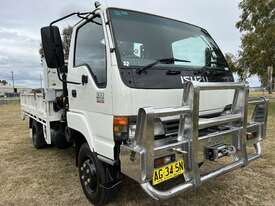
[
  {"x": 164, "y": 61},
  {"x": 210, "y": 70}
]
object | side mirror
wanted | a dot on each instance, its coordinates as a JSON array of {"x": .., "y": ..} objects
[{"x": 52, "y": 46}]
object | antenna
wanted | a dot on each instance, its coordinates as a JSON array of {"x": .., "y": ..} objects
[{"x": 97, "y": 4}]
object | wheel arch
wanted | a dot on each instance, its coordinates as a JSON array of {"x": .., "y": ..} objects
[
  {"x": 79, "y": 131},
  {"x": 78, "y": 139},
  {"x": 78, "y": 123}
]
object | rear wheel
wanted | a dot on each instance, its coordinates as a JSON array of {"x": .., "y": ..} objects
[
  {"x": 95, "y": 178},
  {"x": 37, "y": 135}
]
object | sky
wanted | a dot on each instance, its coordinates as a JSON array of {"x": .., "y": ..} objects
[{"x": 20, "y": 23}]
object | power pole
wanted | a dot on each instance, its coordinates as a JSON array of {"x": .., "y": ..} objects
[
  {"x": 40, "y": 81},
  {"x": 12, "y": 77}
]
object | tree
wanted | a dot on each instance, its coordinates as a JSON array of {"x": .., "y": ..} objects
[
  {"x": 233, "y": 63},
  {"x": 236, "y": 65},
  {"x": 66, "y": 38},
  {"x": 67, "y": 34},
  {"x": 3, "y": 82},
  {"x": 257, "y": 22}
]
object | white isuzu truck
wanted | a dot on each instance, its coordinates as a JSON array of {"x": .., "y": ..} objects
[{"x": 146, "y": 97}]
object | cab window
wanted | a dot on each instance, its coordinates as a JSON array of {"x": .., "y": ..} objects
[{"x": 90, "y": 50}]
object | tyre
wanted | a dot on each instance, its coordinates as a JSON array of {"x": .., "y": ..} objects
[
  {"x": 37, "y": 135},
  {"x": 95, "y": 179}
]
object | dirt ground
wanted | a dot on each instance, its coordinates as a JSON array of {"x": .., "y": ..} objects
[{"x": 49, "y": 176}]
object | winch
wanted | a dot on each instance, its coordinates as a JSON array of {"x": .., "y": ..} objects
[{"x": 217, "y": 151}]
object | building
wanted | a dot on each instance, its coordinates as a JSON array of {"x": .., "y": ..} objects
[{"x": 7, "y": 90}]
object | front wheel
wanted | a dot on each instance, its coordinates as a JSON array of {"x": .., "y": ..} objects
[{"x": 95, "y": 178}]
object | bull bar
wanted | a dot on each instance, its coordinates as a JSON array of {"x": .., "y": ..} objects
[{"x": 137, "y": 157}]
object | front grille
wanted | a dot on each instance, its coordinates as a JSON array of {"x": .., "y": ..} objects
[
  {"x": 171, "y": 127},
  {"x": 259, "y": 113}
]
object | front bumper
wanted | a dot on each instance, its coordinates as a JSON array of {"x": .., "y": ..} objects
[{"x": 137, "y": 157}]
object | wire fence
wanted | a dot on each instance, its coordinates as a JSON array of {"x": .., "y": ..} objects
[{"x": 8, "y": 100}]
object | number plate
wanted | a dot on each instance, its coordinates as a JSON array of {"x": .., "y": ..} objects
[{"x": 168, "y": 172}]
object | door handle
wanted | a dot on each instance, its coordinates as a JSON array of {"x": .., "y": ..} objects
[
  {"x": 74, "y": 93},
  {"x": 84, "y": 79}
]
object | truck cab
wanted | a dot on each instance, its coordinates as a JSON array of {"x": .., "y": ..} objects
[
  {"x": 111, "y": 50},
  {"x": 144, "y": 96}
]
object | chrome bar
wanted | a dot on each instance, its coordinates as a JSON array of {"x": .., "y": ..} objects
[
  {"x": 141, "y": 154},
  {"x": 218, "y": 86},
  {"x": 170, "y": 146},
  {"x": 158, "y": 195},
  {"x": 210, "y": 122},
  {"x": 163, "y": 112},
  {"x": 243, "y": 135},
  {"x": 257, "y": 100},
  {"x": 145, "y": 139},
  {"x": 258, "y": 154},
  {"x": 223, "y": 170},
  {"x": 195, "y": 134},
  {"x": 219, "y": 134}
]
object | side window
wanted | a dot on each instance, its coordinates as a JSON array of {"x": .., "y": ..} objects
[{"x": 90, "y": 50}]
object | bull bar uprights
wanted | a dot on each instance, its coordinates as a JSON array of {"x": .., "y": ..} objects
[{"x": 137, "y": 158}]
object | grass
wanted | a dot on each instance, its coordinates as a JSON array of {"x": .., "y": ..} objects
[
  {"x": 49, "y": 176},
  {"x": 262, "y": 93}
]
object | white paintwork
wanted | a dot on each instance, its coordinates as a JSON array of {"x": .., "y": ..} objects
[
  {"x": 95, "y": 120},
  {"x": 97, "y": 116},
  {"x": 39, "y": 106},
  {"x": 35, "y": 106},
  {"x": 127, "y": 101},
  {"x": 120, "y": 100},
  {"x": 51, "y": 80}
]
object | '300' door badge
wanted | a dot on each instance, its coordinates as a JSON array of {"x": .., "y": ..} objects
[{"x": 100, "y": 97}]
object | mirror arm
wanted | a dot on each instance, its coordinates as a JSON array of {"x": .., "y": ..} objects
[
  {"x": 65, "y": 81},
  {"x": 64, "y": 17},
  {"x": 79, "y": 14}
]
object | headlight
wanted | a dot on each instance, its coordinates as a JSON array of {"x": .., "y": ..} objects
[
  {"x": 227, "y": 110},
  {"x": 158, "y": 130}
]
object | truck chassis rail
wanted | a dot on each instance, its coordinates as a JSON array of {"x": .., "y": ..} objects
[{"x": 137, "y": 156}]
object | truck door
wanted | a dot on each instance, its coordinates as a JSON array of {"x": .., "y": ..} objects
[{"x": 89, "y": 64}]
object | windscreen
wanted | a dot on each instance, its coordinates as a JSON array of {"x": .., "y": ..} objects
[{"x": 142, "y": 39}]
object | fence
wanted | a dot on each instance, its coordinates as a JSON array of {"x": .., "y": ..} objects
[{"x": 7, "y": 100}]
